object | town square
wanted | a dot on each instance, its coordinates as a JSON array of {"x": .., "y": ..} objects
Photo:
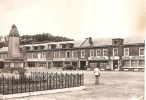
[{"x": 72, "y": 50}]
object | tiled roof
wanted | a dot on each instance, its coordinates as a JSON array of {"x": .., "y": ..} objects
[
  {"x": 108, "y": 41},
  {"x": 85, "y": 43}
]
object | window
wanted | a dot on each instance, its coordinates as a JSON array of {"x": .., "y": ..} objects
[
  {"x": 43, "y": 55},
  {"x": 115, "y": 52},
  {"x": 67, "y": 45},
  {"x": 74, "y": 54},
  {"x": 33, "y": 55},
  {"x": 39, "y": 55},
  {"x": 141, "y": 51},
  {"x": 28, "y": 55},
  {"x": 82, "y": 53},
  {"x": 55, "y": 54},
  {"x": 126, "y": 51},
  {"x": 141, "y": 63},
  {"x": 126, "y": 63},
  {"x": 105, "y": 52},
  {"x": 115, "y": 42},
  {"x": 67, "y": 54},
  {"x": 91, "y": 53},
  {"x": 49, "y": 55},
  {"x": 98, "y": 52},
  {"x": 60, "y": 54},
  {"x": 134, "y": 63}
]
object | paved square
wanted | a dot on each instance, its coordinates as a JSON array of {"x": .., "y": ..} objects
[{"x": 114, "y": 85}]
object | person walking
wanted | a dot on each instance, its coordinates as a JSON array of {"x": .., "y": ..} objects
[{"x": 97, "y": 74}]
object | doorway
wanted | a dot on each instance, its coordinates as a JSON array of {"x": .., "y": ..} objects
[
  {"x": 115, "y": 64},
  {"x": 49, "y": 65},
  {"x": 82, "y": 64}
]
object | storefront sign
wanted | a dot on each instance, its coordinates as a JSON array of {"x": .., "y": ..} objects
[
  {"x": 98, "y": 58},
  {"x": 37, "y": 59},
  {"x": 114, "y": 57},
  {"x": 1, "y": 59},
  {"x": 65, "y": 59},
  {"x": 133, "y": 57}
]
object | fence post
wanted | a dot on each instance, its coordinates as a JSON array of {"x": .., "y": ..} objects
[
  {"x": 21, "y": 83},
  {"x": 62, "y": 80},
  {"x": 40, "y": 81},
  {"x": 29, "y": 83},
  {"x": 56, "y": 80},
  {"x": 83, "y": 79},
  {"x": 12, "y": 84},
  {"x": 68, "y": 80},
  {"x": 25, "y": 83},
  {"x": 33, "y": 81},
  {"x": 50, "y": 81},
  {"x": 47, "y": 80}
]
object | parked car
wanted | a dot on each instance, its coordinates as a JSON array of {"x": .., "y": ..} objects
[{"x": 68, "y": 67}]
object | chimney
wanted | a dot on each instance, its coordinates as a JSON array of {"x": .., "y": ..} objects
[{"x": 90, "y": 39}]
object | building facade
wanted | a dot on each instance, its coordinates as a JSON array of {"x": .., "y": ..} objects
[{"x": 126, "y": 53}]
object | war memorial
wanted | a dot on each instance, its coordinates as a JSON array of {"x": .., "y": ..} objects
[{"x": 16, "y": 81}]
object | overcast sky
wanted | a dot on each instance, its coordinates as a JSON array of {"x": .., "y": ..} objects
[{"x": 76, "y": 19}]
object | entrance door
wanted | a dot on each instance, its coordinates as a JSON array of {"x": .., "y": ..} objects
[
  {"x": 49, "y": 65},
  {"x": 82, "y": 64},
  {"x": 115, "y": 64}
]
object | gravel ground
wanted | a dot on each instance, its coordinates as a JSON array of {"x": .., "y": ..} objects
[{"x": 114, "y": 85}]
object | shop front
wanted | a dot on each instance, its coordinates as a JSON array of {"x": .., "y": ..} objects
[
  {"x": 37, "y": 63},
  {"x": 100, "y": 61},
  {"x": 60, "y": 62},
  {"x": 133, "y": 63}
]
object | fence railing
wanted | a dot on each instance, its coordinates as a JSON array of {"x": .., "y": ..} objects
[{"x": 40, "y": 81}]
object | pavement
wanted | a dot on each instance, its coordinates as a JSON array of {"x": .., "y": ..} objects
[{"x": 114, "y": 85}]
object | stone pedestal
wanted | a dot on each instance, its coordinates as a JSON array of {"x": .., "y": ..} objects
[{"x": 10, "y": 65}]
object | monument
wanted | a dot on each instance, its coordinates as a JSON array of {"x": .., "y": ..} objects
[{"x": 13, "y": 62}]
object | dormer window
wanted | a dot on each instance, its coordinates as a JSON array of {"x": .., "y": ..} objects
[
  {"x": 53, "y": 46},
  {"x": 41, "y": 47},
  {"x": 69, "y": 45},
  {"x": 25, "y": 48},
  {"x": 115, "y": 42},
  {"x": 35, "y": 47}
]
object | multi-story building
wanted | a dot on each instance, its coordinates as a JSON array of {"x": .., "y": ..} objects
[{"x": 126, "y": 53}]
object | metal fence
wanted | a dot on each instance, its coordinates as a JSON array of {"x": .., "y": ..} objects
[{"x": 39, "y": 82}]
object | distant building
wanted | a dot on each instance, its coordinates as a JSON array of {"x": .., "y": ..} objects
[{"x": 125, "y": 53}]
